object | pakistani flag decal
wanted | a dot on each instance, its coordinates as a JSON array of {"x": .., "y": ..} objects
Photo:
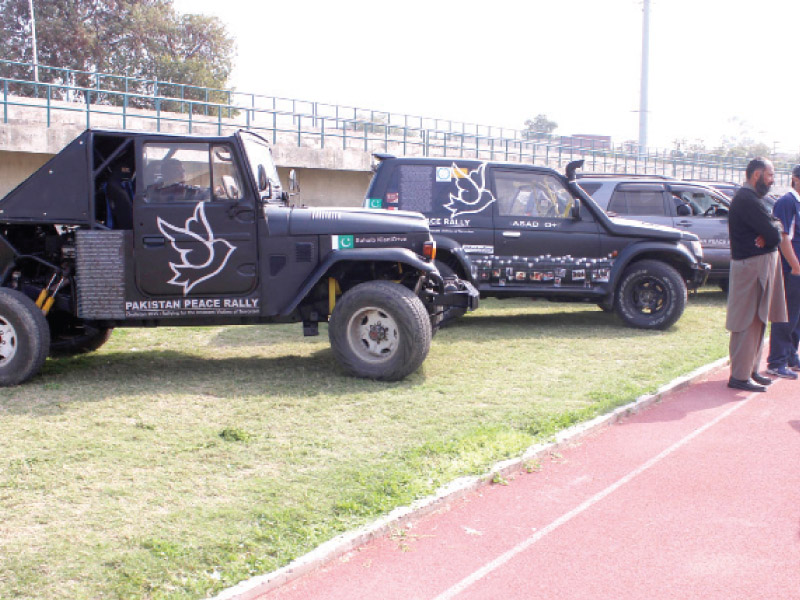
[{"x": 341, "y": 242}]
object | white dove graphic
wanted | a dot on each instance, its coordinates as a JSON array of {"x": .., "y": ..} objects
[
  {"x": 473, "y": 197},
  {"x": 202, "y": 255}
]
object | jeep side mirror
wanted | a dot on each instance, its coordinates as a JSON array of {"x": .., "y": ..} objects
[
  {"x": 263, "y": 180},
  {"x": 575, "y": 211},
  {"x": 294, "y": 186}
]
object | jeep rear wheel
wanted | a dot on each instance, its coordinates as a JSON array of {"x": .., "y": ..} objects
[
  {"x": 24, "y": 338},
  {"x": 380, "y": 330},
  {"x": 651, "y": 295}
]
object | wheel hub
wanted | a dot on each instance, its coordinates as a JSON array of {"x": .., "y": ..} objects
[
  {"x": 8, "y": 341},
  {"x": 373, "y": 334},
  {"x": 649, "y": 297},
  {"x": 378, "y": 332}
]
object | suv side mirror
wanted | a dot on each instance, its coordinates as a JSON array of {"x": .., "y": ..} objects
[
  {"x": 294, "y": 186},
  {"x": 683, "y": 210},
  {"x": 575, "y": 211}
]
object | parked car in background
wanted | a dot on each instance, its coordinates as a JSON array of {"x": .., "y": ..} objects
[
  {"x": 729, "y": 189},
  {"x": 690, "y": 206}
]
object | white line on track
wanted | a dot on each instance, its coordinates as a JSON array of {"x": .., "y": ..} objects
[{"x": 565, "y": 518}]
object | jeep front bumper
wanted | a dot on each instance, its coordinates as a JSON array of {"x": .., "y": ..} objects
[{"x": 464, "y": 296}]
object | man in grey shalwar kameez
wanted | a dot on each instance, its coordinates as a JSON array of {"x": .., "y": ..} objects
[{"x": 755, "y": 292}]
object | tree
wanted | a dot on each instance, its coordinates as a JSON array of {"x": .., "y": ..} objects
[
  {"x": 138, "y": 38},
  {"x": 539, "y": 125},
  {"x": 742, "y": 144}
]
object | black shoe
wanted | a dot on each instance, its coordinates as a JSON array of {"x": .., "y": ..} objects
[
  {"x": 760, "y": 379},
  {"x": 746, "y": 384}
]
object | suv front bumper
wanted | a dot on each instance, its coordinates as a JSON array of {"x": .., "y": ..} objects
[{"x": 699, "y": 276}]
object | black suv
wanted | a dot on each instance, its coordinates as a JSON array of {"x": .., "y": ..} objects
[
  {"x": 691, "y": 206},
  {"x": 125, "y": 229},
  {"x": 522, "y": 230}
]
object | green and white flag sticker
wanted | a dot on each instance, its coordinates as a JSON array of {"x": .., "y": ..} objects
[
  {"x": 375, "y": 203},
  {"x": 341, "y": 242}
]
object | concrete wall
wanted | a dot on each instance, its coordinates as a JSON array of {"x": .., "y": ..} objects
[
  {"x": 318, "y": 187},
  {"x": 327, "y": 176},
  {"x": 15, "y": 167},
  {"x": 322, "y": 187}
]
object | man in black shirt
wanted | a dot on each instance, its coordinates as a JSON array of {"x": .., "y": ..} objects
[{"x": 755, "y": 293}]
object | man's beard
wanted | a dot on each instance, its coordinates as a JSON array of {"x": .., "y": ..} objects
[{"x": 762, "y": 189}]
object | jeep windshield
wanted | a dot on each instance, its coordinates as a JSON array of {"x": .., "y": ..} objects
[{"x": 259, "y": 156}]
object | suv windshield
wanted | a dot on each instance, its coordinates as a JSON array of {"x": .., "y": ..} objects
[{"x": 259, "y": 155}]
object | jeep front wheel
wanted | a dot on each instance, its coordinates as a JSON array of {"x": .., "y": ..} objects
[
  {"x": 24, "y": 338},
  {"x": 380, "y": 330},
  {"x": 651, "y": 295}
]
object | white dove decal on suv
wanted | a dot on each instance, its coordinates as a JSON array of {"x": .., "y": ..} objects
[
  {"x": 202, "y": 255},
  {"x": 473, "y": 196}
]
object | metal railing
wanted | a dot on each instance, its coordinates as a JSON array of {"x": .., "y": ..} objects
[{"x": 108, "y": 100}]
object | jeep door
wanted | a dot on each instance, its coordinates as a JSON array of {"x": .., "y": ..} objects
[
  {"x": 194, "y": 221},
  {"x": 704, "y": 213},
  {"x": 537, "y": 241}
]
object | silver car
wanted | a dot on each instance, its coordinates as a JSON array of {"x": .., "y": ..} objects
[{"x": 690, "y": 206}]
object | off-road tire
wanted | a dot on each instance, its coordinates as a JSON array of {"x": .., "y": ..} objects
[
  {"x": 73, "y": 338},
  {"x": 450, "y": 279},
  {"x": 399, "y": 322},
  {"x": 650, "y": 295},
  {"x": 24, "y": 337}
]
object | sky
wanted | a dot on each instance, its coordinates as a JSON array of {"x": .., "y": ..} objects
[{"x": 717, "y": 68}]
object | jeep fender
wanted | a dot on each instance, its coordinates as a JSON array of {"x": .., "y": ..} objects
[{"x": 394, "y": 255}]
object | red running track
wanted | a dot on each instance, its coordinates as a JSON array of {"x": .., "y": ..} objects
[{"x": 696, "y": 497}]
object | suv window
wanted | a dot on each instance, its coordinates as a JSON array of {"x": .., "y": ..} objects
[
  {"x": 638, "y": 200},
  {"x": 590, "y": 188},
  {"x": 699, "y": 200},
  {"x": 531, "y": 194},
  {"x": 413, "y": 187}
]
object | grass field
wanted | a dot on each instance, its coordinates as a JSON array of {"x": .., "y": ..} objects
[{"x": 176, "y": 462}]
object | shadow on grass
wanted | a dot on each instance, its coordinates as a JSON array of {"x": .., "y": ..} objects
[
  {"x": 95, "y": 377},
  {"x": 589, "y": 323},
  {"x": 576, "y": 323}
]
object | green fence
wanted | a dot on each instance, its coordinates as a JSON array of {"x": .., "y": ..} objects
[{"x": 105, "y": 100}]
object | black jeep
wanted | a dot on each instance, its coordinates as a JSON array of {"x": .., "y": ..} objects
[
  {"x": 126, "y": 229},
  {"x": 520, "y": 230}
]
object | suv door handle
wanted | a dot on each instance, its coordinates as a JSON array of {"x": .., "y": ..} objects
[
  {"x": 684, "y": 223},
  {"x": 511, "y": 234}
]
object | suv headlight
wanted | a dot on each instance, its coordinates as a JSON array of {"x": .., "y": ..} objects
[{"x": 697, "y": 249}]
